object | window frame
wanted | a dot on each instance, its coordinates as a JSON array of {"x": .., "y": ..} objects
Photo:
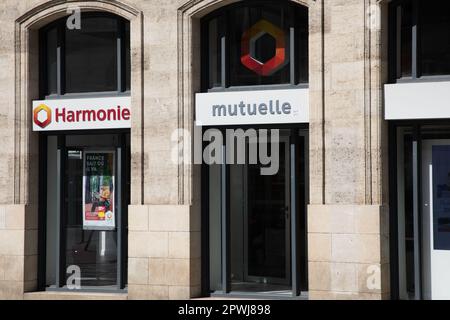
[
  {"x": 123, "y": 175},
  {"x": 395, "y": 43},
  {"x": 60, "y": 25},
  {"x": 225, "y": 86}
]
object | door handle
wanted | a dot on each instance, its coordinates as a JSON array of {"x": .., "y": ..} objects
[{"x": 287, "y": 212}]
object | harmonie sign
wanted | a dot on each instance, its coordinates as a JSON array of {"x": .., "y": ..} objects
[{"x": 81, "y": 114}]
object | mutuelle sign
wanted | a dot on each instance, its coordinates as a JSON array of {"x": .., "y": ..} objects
[
  {"x": 82, "y": 114},
  {"x": 252, "y": 107}
]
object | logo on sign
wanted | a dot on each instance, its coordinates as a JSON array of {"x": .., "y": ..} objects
[
  {"x": 42, "y": 115},
  {"x": 248, "y": 45}
]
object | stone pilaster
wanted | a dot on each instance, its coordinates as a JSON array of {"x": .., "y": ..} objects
[
  {"x": 163, "y": 252},
  {"x": 348, "y": 238}
]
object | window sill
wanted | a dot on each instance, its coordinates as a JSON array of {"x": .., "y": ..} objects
[
  {"x": 422, "y": 79},
  {"x": 261, "y": 87},
  {"x": 105, "y": 94}
]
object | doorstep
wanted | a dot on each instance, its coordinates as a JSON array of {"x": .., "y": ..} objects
[
  {"x": 52, "y": 295},
  {"x": 222, "y": 298}
]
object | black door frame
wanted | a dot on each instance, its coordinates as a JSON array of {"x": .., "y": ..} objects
[
  {"x": 122, "y": 152},
  {"x": 393, "y": 203},
  {"x": 299, "y": 269},
  {"x": 417, "y": 137}
]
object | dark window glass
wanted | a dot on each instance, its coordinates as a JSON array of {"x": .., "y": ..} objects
[
  {"x": 51, "y": 64},
  {"x": 259, "y": 216},
  {"x": 127, "y": 58},
  {"x": 267, "y": 225},
  {"x": 432, "y": 20},
  {"x": 215, "y": 36},
  {"x": 262, "y": 47},
  {"x": 404, "y": 14},
  {"x": 409, "y": 211},
  {"x": 94, "y": 251},
  {"x": 91, "y": 56},
  {"x": 441, "y": 197},
  {"x": 257, "y": 45},
  {"x": 435, "y": 37},
  {"x": 301, "y": 46}
]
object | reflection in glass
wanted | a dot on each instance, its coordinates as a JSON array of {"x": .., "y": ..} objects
[
  {"x": 93, "y": 251},
  {"x": 259, "y": 225},
  {"x": 441, "y": 197},
  {"x": 215, "y": 34},
  {"x": 52, "y": 210},
  {"x": 435, "y": 37},
  {"x": 244, "y": 19},
  {"x": 236, "y": 21},
  {"x": 127, "y": 58},
  {"x": 215, "y": 258},
  {"x": 91, "y": 56},
  {"x": 405, "y": 14},
  {"x": 267, "y": 213},
  {"x": 409, "y": 212},
  {"x": 51, "y": 63},
  {"x": 258, "y": 219}
]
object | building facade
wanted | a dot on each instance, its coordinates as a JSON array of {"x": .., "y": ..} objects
[{"x": 116, "y": 175}]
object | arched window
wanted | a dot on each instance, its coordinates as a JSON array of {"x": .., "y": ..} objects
[
  {"x": 92, "y": 59},
  {"x": 84, "y": 74},
  {"x": 255, "y": 43},
  {"x": 250, "y": 49},
  {"x": 420, "y": 39}
]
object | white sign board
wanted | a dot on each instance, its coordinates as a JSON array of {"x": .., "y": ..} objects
[
  {"x": 252, "y": 107},
  {"x": 80, "y": 114},
  {"x": 424, "y": 100}
]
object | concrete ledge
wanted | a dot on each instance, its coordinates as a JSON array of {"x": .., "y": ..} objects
[{"x": 52, "y": 295}]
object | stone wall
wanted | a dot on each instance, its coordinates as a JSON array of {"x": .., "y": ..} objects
[
  {"x": 18, "y": 252},
  {"x": 163, "y": 252},
  {"x": 347, "y": 147},
  {"x": 348, "y": 236}
]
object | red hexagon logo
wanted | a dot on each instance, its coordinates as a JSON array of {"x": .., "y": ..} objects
[
  {"x": 248, "y": 41},
  {"x": 42, "y": 108}
]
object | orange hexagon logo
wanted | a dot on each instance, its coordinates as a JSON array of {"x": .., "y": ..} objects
[
  {"x": 40, "y": 109},
  {"x": 248, "y": 42}
]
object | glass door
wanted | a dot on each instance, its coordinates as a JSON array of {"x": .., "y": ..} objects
[
  {"x": 267, "y": 222},
  {"x": 259, "y": 209},
  {"x": 90, "y": 226},
  {"x": 86, "y": 220},
  {"x": 436, "y": 219},
  {"x": 257, "y": 240}
]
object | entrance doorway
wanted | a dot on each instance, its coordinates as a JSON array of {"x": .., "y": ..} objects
[
  {"x": 257, "y": 223},
  {"x": 260, "y": 222},
  {"x": 436, "y": 219},
  {"x": 420, "y": 202},
  {"x": 83, "y": 210}
]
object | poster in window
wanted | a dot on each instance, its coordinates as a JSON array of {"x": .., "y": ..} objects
[
  {"x": 441, "y": 199},
  {"x": 98, "y": 191}
]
